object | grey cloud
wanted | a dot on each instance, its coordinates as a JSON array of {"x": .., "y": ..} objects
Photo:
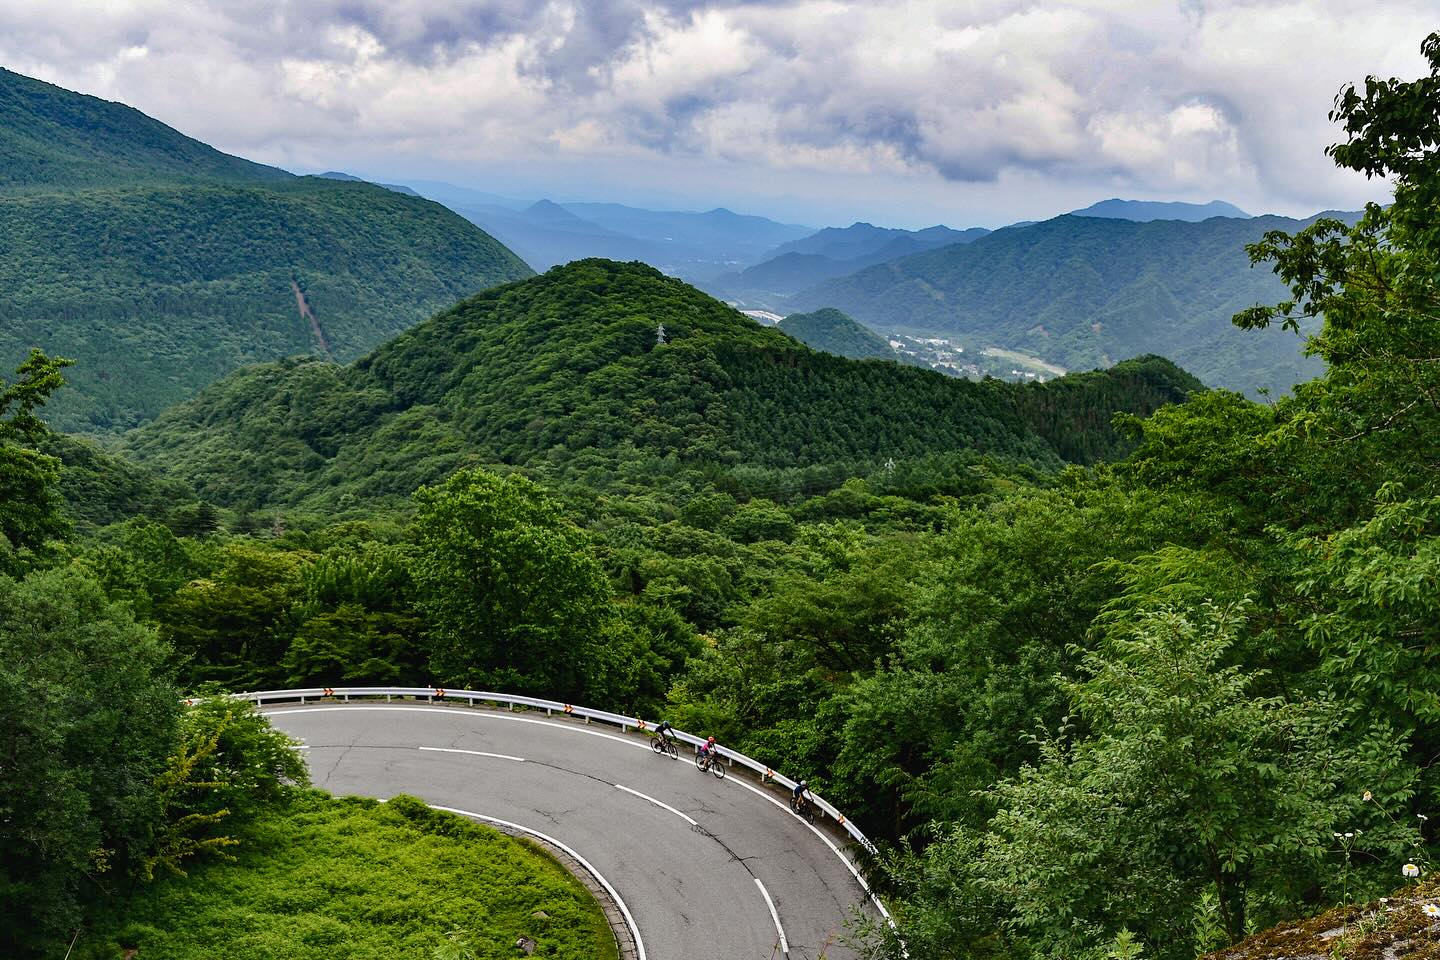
[{"x": 1082, "y": 92}]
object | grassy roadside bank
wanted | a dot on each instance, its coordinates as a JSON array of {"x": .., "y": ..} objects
[{"x": 357, "y": 878}]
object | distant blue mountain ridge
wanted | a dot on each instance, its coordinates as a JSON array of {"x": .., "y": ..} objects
[{"x": 1142, "y": 211}]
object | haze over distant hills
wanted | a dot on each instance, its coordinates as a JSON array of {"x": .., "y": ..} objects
[
  {"x": 159, "y": 263},
  {"x": 695, "y": 246},
  {"x": 832, "y": 252},
  {"x": 1088, "y": 291}
]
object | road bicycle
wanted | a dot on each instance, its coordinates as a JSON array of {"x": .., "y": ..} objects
[
  {"x": 802, "y": 808},
  {"x": 663, "y": 745},
  {"x": 711, "y": 762}
]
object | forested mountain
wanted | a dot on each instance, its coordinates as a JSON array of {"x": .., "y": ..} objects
[
  {"x": 833, "y": 332},
  {"x": 160, "y": 264},
  {"x": 51, "y": 137},
  {"x": 1145, "y": 210},
  {"x": 1085, "y": 291},
  {"x": 568, "y": 371},
  {"x": 832, "y": 252}
]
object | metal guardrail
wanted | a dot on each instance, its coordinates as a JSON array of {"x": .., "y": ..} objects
[{"x": 472, "y": 697}]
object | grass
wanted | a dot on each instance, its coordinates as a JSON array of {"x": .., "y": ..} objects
[{"x": 360, "y": 879}]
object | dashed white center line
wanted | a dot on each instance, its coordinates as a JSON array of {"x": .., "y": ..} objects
[
  {"x": 784, "y": 944},
  {"x": 474, "y": 753},
  {"x": 658, "y": 803}
]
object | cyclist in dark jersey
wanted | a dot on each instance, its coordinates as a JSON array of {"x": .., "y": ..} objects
[
  {"x": 665, "y": 730},
  {"x": 799, "y": 796}
]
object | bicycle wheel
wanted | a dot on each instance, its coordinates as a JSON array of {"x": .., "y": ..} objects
[
  {"x": 671, "y": 749},
  {"x": 700, "y": 762},
  {"x": 717, "y": 768},
  {"x": 656, "y": 745}
]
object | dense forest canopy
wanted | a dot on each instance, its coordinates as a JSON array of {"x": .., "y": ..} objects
[
  {"x": 572, "y": 371},
  {"x": 833, "y": 332}
]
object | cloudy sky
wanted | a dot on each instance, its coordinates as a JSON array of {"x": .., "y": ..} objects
[{"x": 903, "y": 113}]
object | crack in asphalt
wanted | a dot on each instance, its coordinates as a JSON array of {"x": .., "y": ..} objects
[{"x": 336, "y": 765}]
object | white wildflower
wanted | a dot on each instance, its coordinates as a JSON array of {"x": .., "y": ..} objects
[{"x": 1410, "y": 870}]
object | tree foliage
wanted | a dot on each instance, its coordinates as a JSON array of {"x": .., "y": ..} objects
[
  {"x": 512, "y": 596},
  {"x": 87, "y": 718}
]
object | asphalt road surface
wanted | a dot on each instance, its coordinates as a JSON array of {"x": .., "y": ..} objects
[{"x": 697, "y": 861}]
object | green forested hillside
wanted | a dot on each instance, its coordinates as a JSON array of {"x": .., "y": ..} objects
[
  {"x": 564, "y": 372},
  {"x": 833, "y": 332},
  {"x": 1085, "y": 292},
  {"x": 160, "y": 264},
  {"x": 51, "y": 137}
]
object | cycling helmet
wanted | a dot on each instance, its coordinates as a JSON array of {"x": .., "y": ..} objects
[
  {"x": 804, "y": 784},
  {"x": 711, "y": 740}
]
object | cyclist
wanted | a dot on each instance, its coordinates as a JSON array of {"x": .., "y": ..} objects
[
  {"x": 665, "y": 731},
  {"x": 799, "y": 796},
  {"x": 706, "y": 750}
]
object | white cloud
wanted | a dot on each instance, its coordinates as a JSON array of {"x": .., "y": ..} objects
[{"x": 1190, "y": 99}]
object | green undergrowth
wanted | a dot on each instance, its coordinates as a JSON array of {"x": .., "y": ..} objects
[{"x": 358, "y": 878}]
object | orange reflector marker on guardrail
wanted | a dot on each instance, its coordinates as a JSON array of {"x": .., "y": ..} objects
[
  {"x": 440, "y": 693},
  {"x": 328, "y": 691},
  {"x": 640, "y": 724},
  {"x": 569, "y": 708}
]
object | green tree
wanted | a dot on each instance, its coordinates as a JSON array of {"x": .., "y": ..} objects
[
  {"x": 31, "y": 511},
  {"x": 509, "y": 586},
  {"x": 87, "y": 718},
  {"x": 235, "y": 625},
  {"x": 1188, "y": 781},
  {"x": 1376, "y": 412},
  {"x": 228, "y": 767}
]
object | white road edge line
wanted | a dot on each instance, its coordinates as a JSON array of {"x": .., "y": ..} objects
[
  {"x": 827, "y": 841},
  {"x": 629, "y": 920},
  {"x": 784, "y": 944},
  {"x": 658, "y": 803},
  {"x": 608, "y": 736},
  {"x": 474, "y": 753}
]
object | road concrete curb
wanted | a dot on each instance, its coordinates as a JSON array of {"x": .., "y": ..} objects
[{"x": 624, "y": 941}]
